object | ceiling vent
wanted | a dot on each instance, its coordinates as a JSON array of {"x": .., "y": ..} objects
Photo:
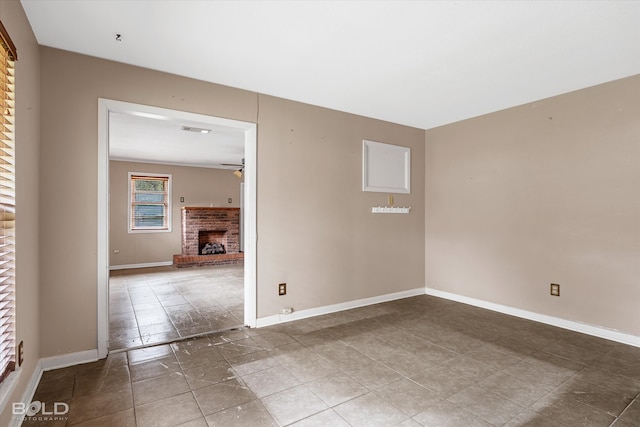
[{"x": 196, "y": 130}]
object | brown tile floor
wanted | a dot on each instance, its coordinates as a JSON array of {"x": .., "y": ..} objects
[
  {"x": 411, "y": 362},
  {"x": 162, "y": 304}
]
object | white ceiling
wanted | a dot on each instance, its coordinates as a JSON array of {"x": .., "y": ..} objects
[
  {"x": 417, "y": 63},
  {"x": 140, "y": 138}
]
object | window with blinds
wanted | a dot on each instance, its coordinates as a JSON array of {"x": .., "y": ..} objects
[
  {"x": 150, "y": 202},
  {"x": 8, "y": 55}
]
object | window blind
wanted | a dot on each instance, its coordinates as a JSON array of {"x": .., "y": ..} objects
[{"x": 8, "y": 55}]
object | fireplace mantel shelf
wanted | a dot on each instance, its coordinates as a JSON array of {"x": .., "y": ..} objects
[{"x": 194, "y": 208}]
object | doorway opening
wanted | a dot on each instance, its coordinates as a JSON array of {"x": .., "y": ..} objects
[{"x": 151, "y": 295}]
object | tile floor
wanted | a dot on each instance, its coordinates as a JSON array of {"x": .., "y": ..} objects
[
  {"x": 161, "y": 304},
  {"x": 419, "y": 361}
]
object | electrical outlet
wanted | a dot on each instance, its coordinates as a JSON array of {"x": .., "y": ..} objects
[
  {"x": 116, "y": 251},
  {"x": 555, "y": 290},
  {"x": 282, "y": 289},
  {"x": 287, "y": 310}
]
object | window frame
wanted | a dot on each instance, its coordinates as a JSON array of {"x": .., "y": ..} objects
[{"x": 130, "y": 203}]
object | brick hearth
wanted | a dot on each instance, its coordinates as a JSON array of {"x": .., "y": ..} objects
[{"x": 201, "y": 225}]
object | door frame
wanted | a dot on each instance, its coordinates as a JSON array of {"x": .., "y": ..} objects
[{"x": 105, "y": 106}]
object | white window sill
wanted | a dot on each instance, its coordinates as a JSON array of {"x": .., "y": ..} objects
[{"x": 150, "y": 230}]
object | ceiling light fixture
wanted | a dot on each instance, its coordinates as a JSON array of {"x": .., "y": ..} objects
[{"x": 196, "y": 130}]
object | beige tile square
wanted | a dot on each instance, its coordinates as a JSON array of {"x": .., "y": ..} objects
[
  {"x": 52, "y": 391},
  {"x": 203, "y": 376},
  {"x": 493, "y": 358},
  {"x": 251, "y": 413},
  {"x": 446, "y": 414},
  {"x": 149, "y": 353},
  {"x": 372, "y": 374},
  {"x": 325, "y": 418},
  {"x": 270, "y": 381},
  {"x": 336, "y": 388},
  {"x": 154, "y": 368},
  {"x": 271, "y": 340},
  {"x": 408, "y": 396},
  {"x": 290, "y": 353},
  {"x": 168, "y": 412},
  {"x": 223, "y": 395},
  {"x": 157, "y": 388},
  {"x": 153, "y": 318},
  {"x": 157, "y": 328},
  {"x": 370, "y": 410},
  {"x": 565, "y": 410},
  {"x": 468, "y": 368},
  {"x": 515, "y": 389},
  {"x": 192, "y": 353},
  {"x": 124, "y": 418},
  {"x": 310, "y": 368},
  {"x": 254, "y": 362},
  {"x": 487, "y": 405},
  {"x": 293, "y": 404},
  {"x": 234, "y": 349},
  {"x": 88, "y": 407},
  {"x": 631, "y": 415},
  {"x": 89, "y": 382}
]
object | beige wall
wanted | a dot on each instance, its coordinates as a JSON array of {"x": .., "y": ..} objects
[
  {"x": 314, "y": 223},
  {"x": 198, "y": 186},
  {"x": 71, "y": 85},
  {"x": 548, "y": 192},
  {"x": 315, "y": 227},
  {"x": 27, "y": 157}
]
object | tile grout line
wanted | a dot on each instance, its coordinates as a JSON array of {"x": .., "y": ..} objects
[
  {"x": 180, "y": 339},
  {"x": 635, "y": 399}
]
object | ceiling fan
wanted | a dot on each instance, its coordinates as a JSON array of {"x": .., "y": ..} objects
[{"x": 237, "y": 172}]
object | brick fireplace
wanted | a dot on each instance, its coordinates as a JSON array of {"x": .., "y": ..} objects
[{"x": 202, "y": 225}]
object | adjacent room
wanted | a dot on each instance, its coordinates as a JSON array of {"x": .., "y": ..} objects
[
  {"x": 426, "y": 213},
  {"x": 175, "y": 216}
]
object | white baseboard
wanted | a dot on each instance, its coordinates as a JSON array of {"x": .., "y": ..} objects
[
  {"x": 27, "y": 396},
  {"x": 597, "y": 331},
  {"x": 64, "y": 360},
  {"x": 7, "y": 388},
  {"x": 327, "y": 309},
  {"x": 48, "y": 364},
  {"x": 144, "y": 265}
]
